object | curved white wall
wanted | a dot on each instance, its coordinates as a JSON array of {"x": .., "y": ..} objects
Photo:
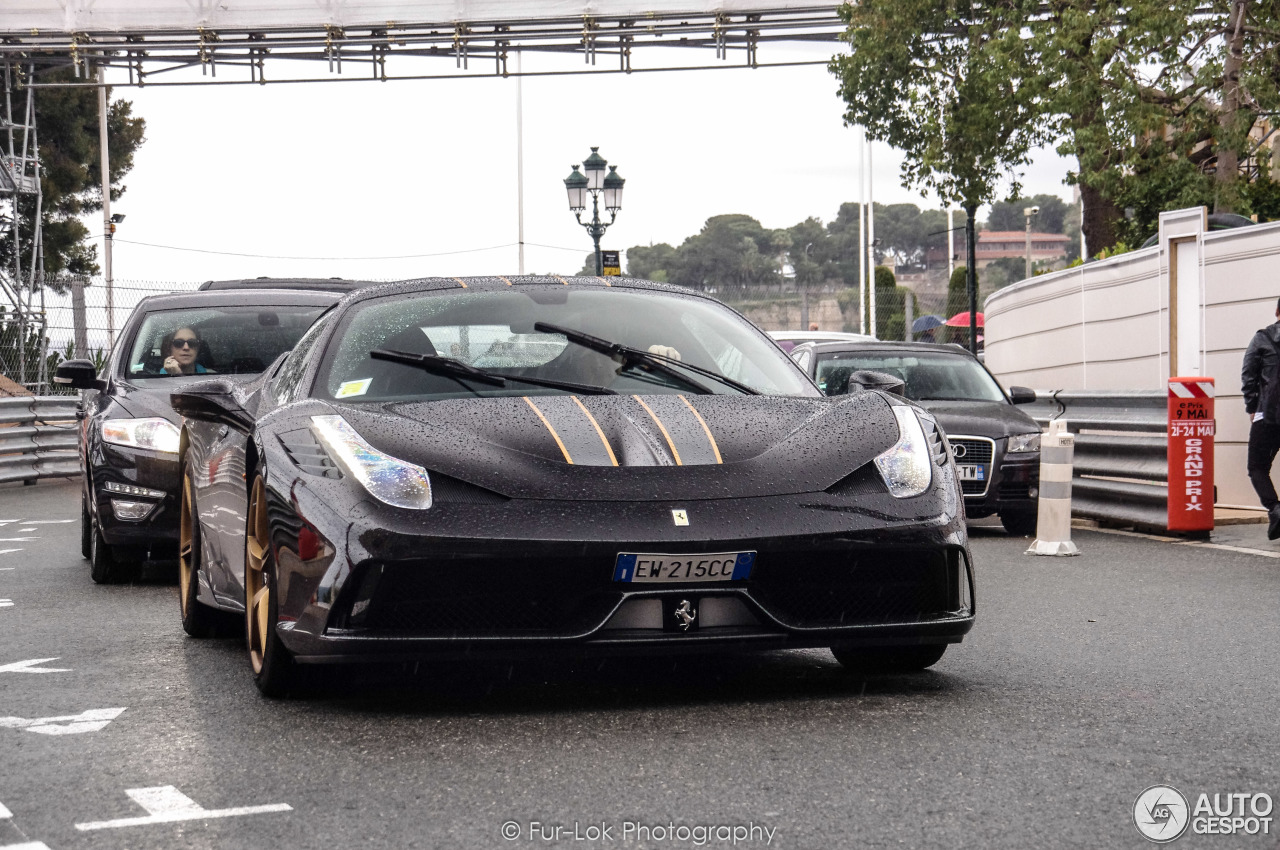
[{"x": 1105, "y": 326}]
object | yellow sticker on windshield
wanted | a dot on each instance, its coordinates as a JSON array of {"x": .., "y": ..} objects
[{"x": 350, "y": 388}]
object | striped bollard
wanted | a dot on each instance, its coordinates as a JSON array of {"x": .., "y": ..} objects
[{"x": 1053, "y": 513}]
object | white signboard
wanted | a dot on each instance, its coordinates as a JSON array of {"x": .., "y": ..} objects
[{"x": 21, "y": 17}]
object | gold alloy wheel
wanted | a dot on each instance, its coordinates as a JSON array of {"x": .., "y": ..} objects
[
  {"x": 186, "y": 546},
  {"x": 257, "y": 593}
]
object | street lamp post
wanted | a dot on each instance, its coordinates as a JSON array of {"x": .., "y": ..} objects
[
  {"x": 596, "y": 182},
  {"x": 1029, "y": 212}
]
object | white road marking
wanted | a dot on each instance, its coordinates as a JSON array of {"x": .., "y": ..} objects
[
  {"x": 166, "y": 804},
  {"x": 29, "y": 845},
  {"x": 93, "y": 720},
  {"x": 7, "y": 551},
  {"x": 17, "y": 539},
  {"x": 45, "y": 521},
  {"x": 5, "y": 813},
  {"x": 29, "y": 666},
  {"x": 6, "y": 603},
  {"x": 1178, "y": 541},
  {"x": 24, "y": 530}
]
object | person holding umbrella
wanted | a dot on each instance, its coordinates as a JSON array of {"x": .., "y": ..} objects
[
  {"x": 961, "y": 320},
  {"x": 926, "y": 328}
]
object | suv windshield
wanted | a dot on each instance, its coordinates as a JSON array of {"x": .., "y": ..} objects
[
  {"x": 215, "y": 340},
  {"x": 928, "y": 375},
  {"x": 494, "y": 331}
]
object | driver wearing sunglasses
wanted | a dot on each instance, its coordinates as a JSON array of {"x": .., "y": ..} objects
[{"x": 181, "y": 348}]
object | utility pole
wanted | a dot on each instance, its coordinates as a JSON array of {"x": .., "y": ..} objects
[{"x": 105, "y": 169}]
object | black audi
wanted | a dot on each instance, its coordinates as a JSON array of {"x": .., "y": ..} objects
[
  {"x": 996, "y": 445},
  {"x": 544, "y": 464},
  {"x": 129, "y": 432}
]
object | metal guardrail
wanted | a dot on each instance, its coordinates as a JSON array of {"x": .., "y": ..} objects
[
  {"x": 1121, "y": 453},
  {"x": 39, "y": 438}
]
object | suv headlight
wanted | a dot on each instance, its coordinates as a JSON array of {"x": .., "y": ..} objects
[
  {"x": 388, "y": 479},
  {"x": 906, "y": 467},
  {"x": 1024, "y": 443},
  {"x": 154, "y": 433}
]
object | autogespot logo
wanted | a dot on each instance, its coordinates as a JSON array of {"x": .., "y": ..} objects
[{"x": 1161, "y": 813}]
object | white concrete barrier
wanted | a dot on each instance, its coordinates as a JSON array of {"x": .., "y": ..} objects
[{"x": 1053, "y": 518}]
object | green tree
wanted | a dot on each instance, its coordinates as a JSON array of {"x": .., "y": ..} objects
[
  {"x": 71, "y": 184},
  {"x": 891, "y": 301},
  {"x": 953, "y": 86},
  {"x": 650, "y": 262},
  {"x": 1007, "y": 215},
  {"x": 730, "y": 250}
]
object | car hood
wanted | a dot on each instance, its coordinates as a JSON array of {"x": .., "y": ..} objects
[
  {"x": 980, "y": 418},
  {"x": 659, "y": 447}
]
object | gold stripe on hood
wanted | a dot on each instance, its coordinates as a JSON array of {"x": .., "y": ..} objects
[{"x": 552, "y": 431}]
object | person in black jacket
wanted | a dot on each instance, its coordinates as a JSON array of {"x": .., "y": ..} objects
[{"x": 1260, "y": 382}]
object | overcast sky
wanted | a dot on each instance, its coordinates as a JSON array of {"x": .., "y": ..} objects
[{"x": 327, "y": 179}]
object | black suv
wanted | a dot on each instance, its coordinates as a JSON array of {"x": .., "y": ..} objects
[{"x": 995, "y": 445}]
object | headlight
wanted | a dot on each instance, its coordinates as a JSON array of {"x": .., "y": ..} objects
[
  {"x": 156, "y": 434},
  {"x": 906, "y": 467},
  {"x": 396, "y": 482},
  {"x": 1024, "y": 443}
]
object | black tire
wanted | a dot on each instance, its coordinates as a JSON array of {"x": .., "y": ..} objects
[
  {"x": 889, "y": 659},
  {"x": 104, "y": 566},
  {"x": 274, "y": 670},
  {"x": 198, "y": 619},
  {"x": 1020, "y": 522},
  {"x": 86, "y": 530}
]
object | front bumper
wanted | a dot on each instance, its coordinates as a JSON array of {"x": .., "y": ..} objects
[
  {"x": 1014, "y": 485},
  {"x": 825, "y": 572},
  {"x": 157, "y": 531}
]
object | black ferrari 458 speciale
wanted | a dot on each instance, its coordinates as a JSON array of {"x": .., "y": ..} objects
[{"x": 542, "y": 464}]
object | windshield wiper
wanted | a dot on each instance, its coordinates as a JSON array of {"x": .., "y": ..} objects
[
  {"x": 436, "y": 365},
  {"x": 451, "y": 368},
  {"x": 656, "y": 362}
]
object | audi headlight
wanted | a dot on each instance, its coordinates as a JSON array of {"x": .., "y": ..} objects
[
  {"x": 154, "y": 433},
  {"x": 388, "y": 479},
  {"x": 1024, "y": 443},
  {"x": 906, "y": 467}
]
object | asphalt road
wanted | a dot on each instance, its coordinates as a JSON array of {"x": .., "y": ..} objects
[{"x": 1086, "y": 681}]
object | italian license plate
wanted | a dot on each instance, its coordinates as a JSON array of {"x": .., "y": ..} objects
[
  {"x": 972, "y": 471},
  {"x": 721, "y": 566}
]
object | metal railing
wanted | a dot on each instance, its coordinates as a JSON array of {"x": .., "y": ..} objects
[
  {"x": 39, "y": 438},
  {"x": 1121, "y": 452}
]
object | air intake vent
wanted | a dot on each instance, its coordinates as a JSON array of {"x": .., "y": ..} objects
[
  {"x": 308, "y": 455},
  {"x": 446, "y": 490}
]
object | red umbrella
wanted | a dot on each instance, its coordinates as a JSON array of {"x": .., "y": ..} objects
[{"x": 961, "y": 320}]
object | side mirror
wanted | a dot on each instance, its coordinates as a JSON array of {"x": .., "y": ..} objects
[
  {"x": 870, "y": 380},
  {"x": 80, "y": 374},
  {"x": 1022, "y": 395},
  {"x": 213, "y": 401}
]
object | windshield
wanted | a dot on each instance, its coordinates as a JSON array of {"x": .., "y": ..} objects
[
  {"x": 494, "y": 331},
  {"x": 928, "y": 375},
  {"x": 215, "y": 340}
]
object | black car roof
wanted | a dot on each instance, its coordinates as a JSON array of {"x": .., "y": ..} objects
[
  {"x": 239, "y": 297},
  {"x": 500, "y": 282},
  {"x": 335, "y": 284},
  {"x": 886, "y": 345}
]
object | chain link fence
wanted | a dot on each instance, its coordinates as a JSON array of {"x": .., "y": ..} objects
[{"x": 66, "y": 318}]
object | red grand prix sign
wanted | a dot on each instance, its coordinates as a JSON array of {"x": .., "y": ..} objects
[{"x": 1191, "y": 429}]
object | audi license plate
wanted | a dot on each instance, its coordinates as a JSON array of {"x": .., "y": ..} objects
[
  {"x": 971, "y": 471},
  {"x": 722, "y": 566}
]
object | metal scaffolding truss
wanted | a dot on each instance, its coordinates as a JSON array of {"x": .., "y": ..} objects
[{"x": 593, "y": 44}]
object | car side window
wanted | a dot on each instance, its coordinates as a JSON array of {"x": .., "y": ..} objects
[{"x": 288, "y": 384}]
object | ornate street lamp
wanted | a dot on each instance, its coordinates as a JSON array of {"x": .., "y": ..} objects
[{"x": 596, "y": 182}]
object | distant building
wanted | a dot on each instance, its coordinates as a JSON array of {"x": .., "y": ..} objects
[{"x": 1046, "y": 248}]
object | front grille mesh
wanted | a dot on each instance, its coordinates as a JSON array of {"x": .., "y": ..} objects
[
  {"x": 975, "y": 452},
  {"x": 813, "y": 590}
]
